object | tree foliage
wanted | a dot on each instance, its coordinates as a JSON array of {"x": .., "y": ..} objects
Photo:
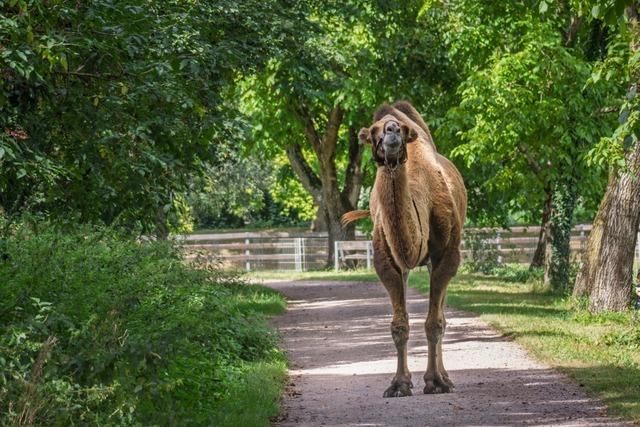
[
  {"x": 524, "y": 118},
  {"x": 107, "y": 108}
]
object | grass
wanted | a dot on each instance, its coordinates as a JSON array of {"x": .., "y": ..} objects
[
  {"x": 601, "y": 352},
  {"x": 254, "y": 391},
  {"x": 253, "y": 399}
]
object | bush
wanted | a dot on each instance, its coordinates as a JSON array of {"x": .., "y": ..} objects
[
  {"x": 100, "y": 329},
  {"x": 507, "y": 272},
  {"x": 484, "y": 256}
]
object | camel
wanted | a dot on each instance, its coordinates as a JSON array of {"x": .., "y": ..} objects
[{"x": 418, "y": 207}]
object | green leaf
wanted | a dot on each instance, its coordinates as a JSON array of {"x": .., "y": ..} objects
[{"x": 543, "y": 7}]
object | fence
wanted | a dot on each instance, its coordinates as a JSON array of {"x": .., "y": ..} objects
[
  {"x": 251, "y": 251},
  {"x": 517, "y": 244},
  {"x": 350, "y": 252},
  {"x": 304, "y": 251}
]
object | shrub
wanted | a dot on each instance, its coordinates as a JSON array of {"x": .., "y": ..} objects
[
  {"x": 100, "y": 329},
  {"x": 484, "y": 257}
]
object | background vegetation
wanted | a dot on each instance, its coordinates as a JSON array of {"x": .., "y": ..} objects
[{"x": 99, "y": 329}]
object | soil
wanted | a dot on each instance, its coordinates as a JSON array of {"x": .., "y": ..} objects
[{"x": 342, "y": 358}]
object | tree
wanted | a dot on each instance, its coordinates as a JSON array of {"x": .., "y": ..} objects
[
  {"x": 523, "y": 109},
  {"x": 606, "y": 272},
  {"x": 238, "y": 191},
  {"x": 107, "y": 109}
]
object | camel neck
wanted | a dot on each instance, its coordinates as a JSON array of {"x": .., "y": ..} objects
[{"x": 401, "y": 221}]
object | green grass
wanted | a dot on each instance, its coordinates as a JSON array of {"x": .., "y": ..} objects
[
  {"x": 601, "y": 352},
  {"x": 347, "y": 275},
  {"x": 253, "y": 393},
  {"x": 253, "y": 399}
]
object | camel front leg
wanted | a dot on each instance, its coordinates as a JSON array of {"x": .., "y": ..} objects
[
  {"x": 401, "y": 384},
  {"x": 436, "y": 377},
  {"x": 395, "y": 283},
  {"x": 440, "y": 360}
]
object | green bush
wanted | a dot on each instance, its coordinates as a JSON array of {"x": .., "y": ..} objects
[
  {"x": 97, "y": 329},
  {"x": 484, "y": 256}
]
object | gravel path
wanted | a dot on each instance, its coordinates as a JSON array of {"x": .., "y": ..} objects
[{"x": 342, "y": 358}]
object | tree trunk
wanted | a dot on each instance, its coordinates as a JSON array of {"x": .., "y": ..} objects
[
  {"x": 161, "y": 228},
  {"x": 332, "y": 201},
  {"x": 335, "y": 230},
  {"x": 557, "y": 258},
  {"x": 608, "y": 262},
  {"x": 608, "y": 265},
  {"x": 587, "y": 272},
  {"x": 543, "y": 236},
  {"x": 319, "y": 224}
]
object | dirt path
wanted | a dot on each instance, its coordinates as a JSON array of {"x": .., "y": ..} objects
[{"x": 342, "y": 358}]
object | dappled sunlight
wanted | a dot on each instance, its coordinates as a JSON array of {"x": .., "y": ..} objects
[
  {"x": 329, "y": 303},
  {"x": 339, "y": 344}
]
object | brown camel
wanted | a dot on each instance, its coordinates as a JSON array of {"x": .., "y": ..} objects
[{"x": 418, "y": 207}]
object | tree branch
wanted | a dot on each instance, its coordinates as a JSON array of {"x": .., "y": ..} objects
[
  {"x": 353, "y": 176},
  {"x": 309, "y": 127},
  {"x": 572, "y": 31},
  {"x": 330, "y": 138},
  {"x": 533, "y": 163},
  {"x": 303, "y": 171}
]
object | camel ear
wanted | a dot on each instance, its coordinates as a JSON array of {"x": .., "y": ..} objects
[
  {"x": 364, "y": 136},
  {"x": 409, "y": 133}
]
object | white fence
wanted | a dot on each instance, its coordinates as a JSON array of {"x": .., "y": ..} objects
[
  {"x": 304, "y": 251},
  {"x": 249, "y": 251},
  {"x": 353, "y": 250}
]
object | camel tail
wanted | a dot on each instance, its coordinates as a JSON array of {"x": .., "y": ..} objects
[{"x": 349, "y": 217}]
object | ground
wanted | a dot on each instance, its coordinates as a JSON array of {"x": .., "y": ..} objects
[{"x": 336, "y": 335}]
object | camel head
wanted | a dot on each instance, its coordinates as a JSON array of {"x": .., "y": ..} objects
[{"x": 389, "y": 138}]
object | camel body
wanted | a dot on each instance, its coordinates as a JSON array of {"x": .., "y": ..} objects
[{"x": 418, "y": 208}]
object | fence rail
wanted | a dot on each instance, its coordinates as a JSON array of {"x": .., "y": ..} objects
[{"x": 306, "y": 251}]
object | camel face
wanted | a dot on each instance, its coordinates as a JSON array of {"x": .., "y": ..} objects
[
  {"x": 392, "y": 140},
  {"x": 389, "y": 138}
]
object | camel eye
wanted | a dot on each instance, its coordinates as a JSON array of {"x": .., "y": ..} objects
[{"x": 375, "y": 134}]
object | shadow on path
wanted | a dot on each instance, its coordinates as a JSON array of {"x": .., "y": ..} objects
[{"x": 342, "y": 358}]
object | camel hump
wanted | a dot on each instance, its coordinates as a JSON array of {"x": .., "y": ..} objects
[
  {"x": 349, "y": 217},
  {"x": 384, "y": 110},
  {"x": 410, "y": 111}
]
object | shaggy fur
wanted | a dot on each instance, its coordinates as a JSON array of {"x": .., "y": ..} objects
[{"x": 418, "y": 212}]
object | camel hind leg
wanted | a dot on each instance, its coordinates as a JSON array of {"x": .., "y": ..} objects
[
  {"x": 445, "y": 267},
  {"x": 395, "y": 282}
]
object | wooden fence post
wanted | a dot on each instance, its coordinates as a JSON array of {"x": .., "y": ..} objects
[
  {"x": 247, "y": 252},
  {"x": 369, "y": 251},
  {"x": 298, "y": 253},
  {"x": 335, "y": 256},
  {"x": 303, "y": 255}
]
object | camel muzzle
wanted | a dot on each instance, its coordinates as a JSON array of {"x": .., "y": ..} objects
[{"x": 392, "y": 145}]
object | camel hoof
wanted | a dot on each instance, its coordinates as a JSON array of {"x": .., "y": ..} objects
[
  {"x": 438, "y": 386},
  {"x": 448, "y": 382},
  {"x": 398, "y": 389}
]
